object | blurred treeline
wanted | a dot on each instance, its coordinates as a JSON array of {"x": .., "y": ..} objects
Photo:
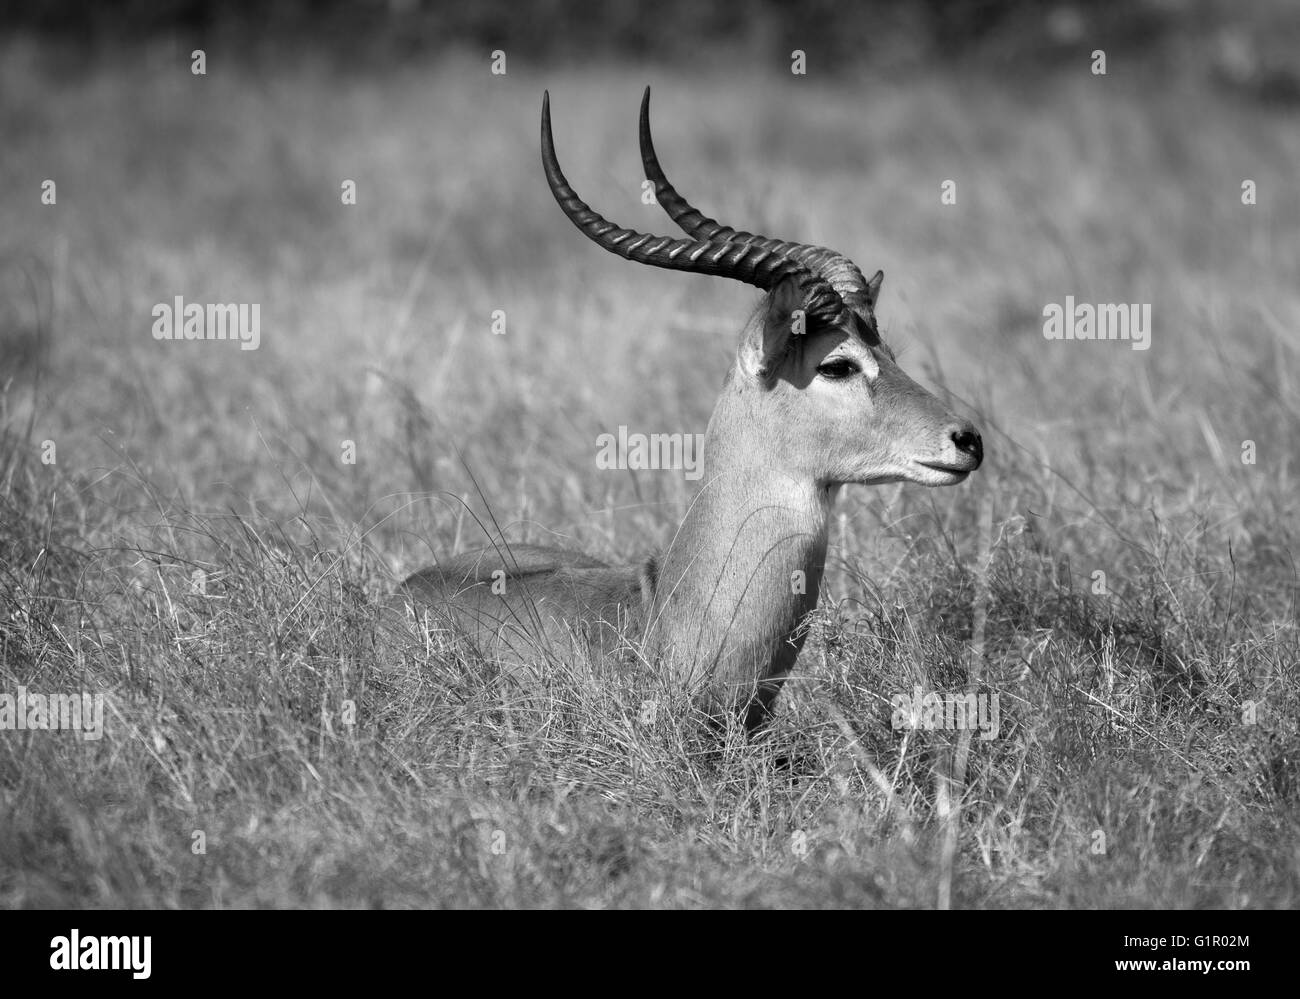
[{"x": 1250, "y": 45}]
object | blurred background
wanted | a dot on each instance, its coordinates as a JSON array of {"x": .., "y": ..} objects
[{"x": 1247, "y": 45}]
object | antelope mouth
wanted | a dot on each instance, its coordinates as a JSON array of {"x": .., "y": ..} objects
[{"x": 938, "y": 473}]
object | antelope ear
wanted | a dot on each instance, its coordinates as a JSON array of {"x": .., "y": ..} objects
[
  {"x": 873, "y": 287},
  {"x": 768, "y": 338}
]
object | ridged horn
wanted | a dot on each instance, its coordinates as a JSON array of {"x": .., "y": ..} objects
[
  {"x": 752, "y": 262},
  {"x": 837, "y": 270}
]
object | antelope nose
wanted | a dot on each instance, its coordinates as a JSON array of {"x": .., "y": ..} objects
[{"x": 967, "y": 441}]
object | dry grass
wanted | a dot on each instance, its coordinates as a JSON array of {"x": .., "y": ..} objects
[{"x": 1122, "y": 712}]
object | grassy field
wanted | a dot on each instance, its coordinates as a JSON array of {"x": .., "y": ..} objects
[{"x": 270, "y": 741}]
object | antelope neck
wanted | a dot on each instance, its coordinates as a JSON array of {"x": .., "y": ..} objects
[{"x": 746, "y": 563}]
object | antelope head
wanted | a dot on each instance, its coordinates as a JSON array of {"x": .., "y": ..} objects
[{"x": 814, "y": 392}]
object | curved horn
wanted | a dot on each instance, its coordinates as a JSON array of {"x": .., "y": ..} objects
[
  {"x": 752, "y": 263},
  {"x": 839, "y": 271}
]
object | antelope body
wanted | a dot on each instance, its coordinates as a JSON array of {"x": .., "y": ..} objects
[{"x": 814, "y": 400}]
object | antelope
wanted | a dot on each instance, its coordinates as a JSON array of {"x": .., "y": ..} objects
[{"x": 814, "y": 400}]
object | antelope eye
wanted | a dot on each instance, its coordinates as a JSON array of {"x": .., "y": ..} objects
[{"x": 838, "y": 369}]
